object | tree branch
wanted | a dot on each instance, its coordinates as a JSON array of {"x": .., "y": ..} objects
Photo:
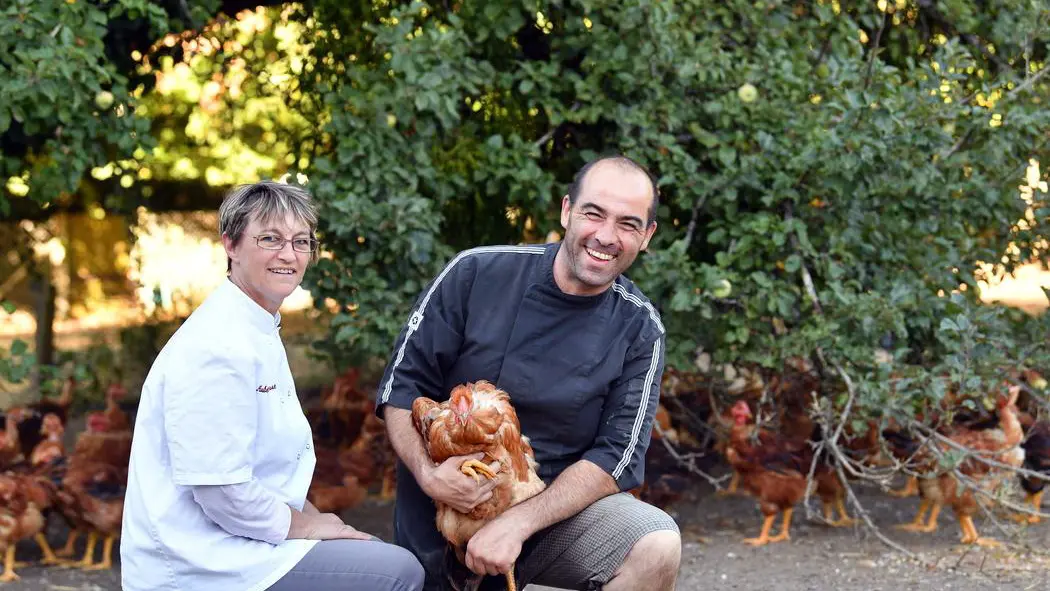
[
  {"x": 1028, "y": 83},
  {"x": 875, "y": 50},
  {"x": 550, "y": 132}
]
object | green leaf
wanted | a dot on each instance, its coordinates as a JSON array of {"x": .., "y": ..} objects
[
  {"x": 19, "y": 347},
  {"x": 8, "y": 306}
]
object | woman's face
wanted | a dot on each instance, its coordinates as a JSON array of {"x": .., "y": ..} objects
[{"x": 269, "y": 276}]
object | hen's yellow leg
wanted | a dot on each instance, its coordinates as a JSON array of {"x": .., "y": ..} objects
[
  {"x": 511, "y": 585},
  {"x": 911, "y": 488},
  {"x": 473, "y": 467},
  {"x": 49, "y": 555},
  {"x": 763, "y": 537},
  {"x": 9, "y": 566},
  {"x": 89, "y": 553},
  {"x": 734, "y": 483},
  {"x": 785, "y": 529},
  {"x": 1036, "y": 501},
  {"x": 931, "y": 523},
  {"x": 107, "y": 555},
  {"x": 45, "y": 549},
  {"x": 71, "y": 539},
  {"x": 829, "y": 515},
  {"x": 917, "y": 524},
  {"x": 970, "y": 534},
  {"x": 846, "y": 520}
]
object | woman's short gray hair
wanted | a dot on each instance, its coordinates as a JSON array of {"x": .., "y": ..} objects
[{"x": 266, "y": 201}]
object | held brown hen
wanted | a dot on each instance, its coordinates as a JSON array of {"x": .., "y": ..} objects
[{"x": 478, "y": 417}]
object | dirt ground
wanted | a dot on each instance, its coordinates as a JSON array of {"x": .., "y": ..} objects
[{"x": 816, "y": 558}]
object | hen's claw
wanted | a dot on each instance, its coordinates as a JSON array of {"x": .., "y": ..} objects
[{"x": 473, "y": 467}]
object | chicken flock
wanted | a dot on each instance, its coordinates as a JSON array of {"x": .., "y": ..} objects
[
  {"x": 40, "y": 478},
  {"x": 763, "y": 429},
  {"x": 953, "y": 455}
]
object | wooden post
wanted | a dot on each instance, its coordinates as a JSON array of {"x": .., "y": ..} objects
[{"x": 44, "y": 310}]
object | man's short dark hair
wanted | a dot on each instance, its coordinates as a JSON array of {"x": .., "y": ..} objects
[{"x": 624, "y": 162}]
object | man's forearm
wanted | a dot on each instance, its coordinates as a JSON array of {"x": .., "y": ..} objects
[
  {"x": 576, "y": 488},
  {"x": 407, "y": 442}
]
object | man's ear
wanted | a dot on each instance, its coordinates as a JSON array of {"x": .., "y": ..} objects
[
  {"x": 566, "y": 208},
  {"x": 648, "y": 236}
]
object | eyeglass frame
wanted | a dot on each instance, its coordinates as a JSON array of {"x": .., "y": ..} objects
[{"x": 313, "y": 243}]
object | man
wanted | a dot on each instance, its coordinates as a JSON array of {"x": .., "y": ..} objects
[{"x": 580, "y": 351}]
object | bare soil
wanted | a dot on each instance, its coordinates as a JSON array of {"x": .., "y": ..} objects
[{"x": 816, "y": 558}]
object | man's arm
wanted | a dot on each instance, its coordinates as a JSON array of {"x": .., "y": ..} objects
[
  {"x": 575, "y": 489},
  {"x": 616, "y": 461},
  {"x": 408, "y": 444}
]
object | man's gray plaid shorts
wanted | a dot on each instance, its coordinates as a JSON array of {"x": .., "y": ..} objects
[{"x": 584, "y": 551}]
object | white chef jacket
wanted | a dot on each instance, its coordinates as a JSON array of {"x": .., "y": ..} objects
[{"x": 218, "y": 408}]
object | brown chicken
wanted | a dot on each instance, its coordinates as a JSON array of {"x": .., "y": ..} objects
[
  {"x": 1036, "y": 446},
  {"x": 1002, "y": 445},
  {"x": 100, "y": 443},
  {"x": 478, "y": 417},
  {"x": 116, "y": 418},
  {"x": 774, "y": 469},
  {"x": 30, "y": 430},
  {"x": 92, "y": 487},
  {"x": 336, "y": 498},
  {"x": 51, "y": 447},
  {"x": 22, "y": 499},
  {"x": 94, "y": 496},
  {"x": 10, "y": 447}
]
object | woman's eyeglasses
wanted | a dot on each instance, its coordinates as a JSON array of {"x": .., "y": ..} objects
[{"x": 271, "y": 242}]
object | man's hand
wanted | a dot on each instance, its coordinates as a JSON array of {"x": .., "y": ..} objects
[
  {"x": 325, "y": 526},
  {"x": 447, "y": 484},
  {"x": 495, "y": 548}
]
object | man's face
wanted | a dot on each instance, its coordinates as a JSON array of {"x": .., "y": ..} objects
[
  {"x": 268, "y": 276},
  {"x": 606, "y": 228}
]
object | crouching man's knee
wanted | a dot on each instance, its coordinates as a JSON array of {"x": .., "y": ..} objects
[{"x": 652, "y": 563}]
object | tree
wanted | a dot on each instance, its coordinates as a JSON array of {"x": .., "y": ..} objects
[
  {"x": 68, "y": 102},
  {"x": 778, "y": 131}
]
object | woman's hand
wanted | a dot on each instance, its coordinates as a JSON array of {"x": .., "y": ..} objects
[{"x": 323, "y": 526}]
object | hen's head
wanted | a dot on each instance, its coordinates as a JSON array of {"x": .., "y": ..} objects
[
  {"x": 741, "y": 412},
  {"x": 460, "y": 403},
  {"x": 18, "y": 414},
  {"x": 116, "y": 391},
  {"x": 97, "y": 423},
  {"x": 51, "y": 425},
  {"x": 1010, "y": 399},
  {"x": 8, "y": 488}
]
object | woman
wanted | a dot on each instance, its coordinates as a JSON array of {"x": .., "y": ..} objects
[{"x": 222, "y": 454}]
